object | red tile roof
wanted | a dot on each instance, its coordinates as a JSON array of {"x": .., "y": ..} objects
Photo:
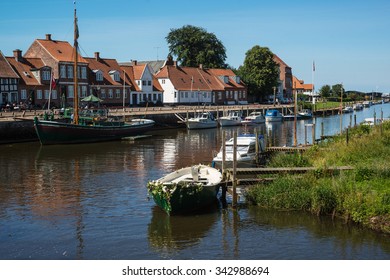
[
  {"x": 6, "y": 70},
  {"x": 23, "y": 68},
  {"x": 106, "y": 65}
]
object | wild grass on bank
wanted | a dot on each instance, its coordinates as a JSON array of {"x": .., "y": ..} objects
[{"x": 361, "y": 195}]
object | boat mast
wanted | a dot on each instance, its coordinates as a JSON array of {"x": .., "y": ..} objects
[{"x": 76, "y": 94}]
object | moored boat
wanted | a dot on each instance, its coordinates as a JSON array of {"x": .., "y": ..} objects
[
  {"x": 305, "y": 114},
  {"x": 347, "y": 109},
  {"x": 187, "y": 189},
  {"x": 247, "y": 154},
  {"x": 357, "y": 106},
  {"x": 88, "y": 128},
  {"x": 233, "y": 118},
  {"x": 201, "y": 120},
  {"x": 253, "y": 118},
  {"x": 273, "y": 115}
]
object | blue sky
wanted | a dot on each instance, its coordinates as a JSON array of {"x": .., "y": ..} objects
[{"x": 348, "y": 40}]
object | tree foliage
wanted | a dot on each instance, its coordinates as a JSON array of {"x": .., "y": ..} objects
[
  {"x": 193, "y": 46},
  {"x": 325, "y": 91},
  {"x": 337, "y": 89},
  {"x": 260, "y": 72}
]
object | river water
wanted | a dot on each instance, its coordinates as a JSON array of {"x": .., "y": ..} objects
[{"x": 90, "y": 202}]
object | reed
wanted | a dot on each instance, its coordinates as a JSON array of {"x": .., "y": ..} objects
[{"x": 361, "y": 195}]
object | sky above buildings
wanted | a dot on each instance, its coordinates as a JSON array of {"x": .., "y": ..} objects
[{"x": 347, "y": 40}]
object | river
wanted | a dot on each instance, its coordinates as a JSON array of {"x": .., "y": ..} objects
[{"x": 90, "y": 202}]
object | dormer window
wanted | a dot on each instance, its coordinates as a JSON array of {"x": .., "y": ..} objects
[
  {"x": 98, "y": 75},
  {"x": 115, "y": 75}
]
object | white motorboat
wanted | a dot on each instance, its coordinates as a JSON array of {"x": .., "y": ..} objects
[
  {"x": 305, "y": 114},
  {"x": 347, "y": 109},
  {"x": 247, "y": 155},
  {"x": 233, "y": 118},
  {"x": 357, "y": 106},
  {"x": 253, "y": 118},
  {"x": 273, "y": 115},
  {"x": 202, "y": 120}
]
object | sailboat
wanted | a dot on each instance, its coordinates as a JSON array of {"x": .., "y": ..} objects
[{"x": 80, "y": 131}]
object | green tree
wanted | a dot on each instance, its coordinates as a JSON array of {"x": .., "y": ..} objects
[
  {"x": 325, "y": 91},
  {"x": 337, "y": 89},
  {"x": 193, "y": 46},
  {"x": 260, "y": 72}
]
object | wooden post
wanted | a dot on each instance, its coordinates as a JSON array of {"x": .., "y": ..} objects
[
  {"x": 381, "y": 123},
  {"x": 374, "y": 118},
  {"x": 322, "y": 129},
  {"x": 347, "y": 135},
  {"x": 305, "y": 135},
  {"x": 257, "y": 146},
  {"x": 223, "y": 151},
  {"x": 354, "y": 117},
  {"x": 313, "y": 133},
  {"x": 350, "y": 121},
  {"x": 234, "y": 203}
]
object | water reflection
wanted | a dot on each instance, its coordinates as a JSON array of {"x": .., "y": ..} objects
[{"x": 168, "y": 235}]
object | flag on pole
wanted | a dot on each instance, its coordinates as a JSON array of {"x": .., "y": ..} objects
[
  {"x": 53, "y": 81},
  {"x": 314, "y": 66}
]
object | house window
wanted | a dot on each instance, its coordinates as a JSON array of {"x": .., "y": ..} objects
[
  {"x": 54, "y": 94},
  {"x": 70, "y": 71},
  {"x": 118, "y": 93},
  {"x": 103, "y": 94},
  {"x": 116, "y": 77},
  {"x": 163, "y": 81},
  {"x": 138, "y": 82},
  {"x": 144, "y": 83},
  {"x": 70, "y": 91},
  {"x": 39, "y": 94},
  {"x": 62, "y": 71},
  {"x": 47, "y": 94},
  {"x": 83, "y": 72},
  {"x": 46, "y": 75},
  {"x": 23, "y": 94},
  {"x": 84, "y": 91},
  {"x": 110, "y": 94},
  {"x": 99, "y": 76},
  {"x": 149, "y": 83}
]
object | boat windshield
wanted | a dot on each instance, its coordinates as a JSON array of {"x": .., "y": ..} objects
[{"x": 240, "y": 148}]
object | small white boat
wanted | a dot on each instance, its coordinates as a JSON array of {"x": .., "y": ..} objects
[
  {"x": 273, "y": 115},
  {"x": 305, "y": 114},
  {"x": 374, "y": 121},
  {"x": 253, "y": 118},
  {"x": 347, "y": 109},
  {"x": 357, "y": 106},
  {"x": 246, "y": 151},
  {"x": 202, "y": 120},
  {"x": 233, "y": 118},
  {"x": 186, "y": 189},
  {"x": 367, "y": 104}
]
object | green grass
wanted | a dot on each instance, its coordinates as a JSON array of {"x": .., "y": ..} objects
[{"x": 361, "y": 195}]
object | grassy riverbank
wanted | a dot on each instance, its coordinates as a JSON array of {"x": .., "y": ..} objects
[{"x": 361, "y": 195}]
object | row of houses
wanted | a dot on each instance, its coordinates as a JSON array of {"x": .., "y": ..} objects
[
  {"x": 27, "y": 79},
  {"x": 46, "y": 72}
]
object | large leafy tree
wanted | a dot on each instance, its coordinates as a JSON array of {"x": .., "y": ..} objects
[
  {"x": 260, "y": 72},
  {"x": 325, "y": 91},
  {"x": 194, "y": 46}
]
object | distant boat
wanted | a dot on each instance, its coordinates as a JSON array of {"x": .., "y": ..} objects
[
  {"x": 253, "y": 118},
  {"x": 305, "y": 114},
  {"x": 367, "y": 104},
  {"x": 233, "y": 118},
  {"x": 247, "y": 154},
  {"x": 357, "y": 106},
  {"x": 201, "y": 120},
  {"x": 273, "y": 115},
  {"x": 81, "y": 130},
  {"x": 347, "y": 109},
  {"x": 187, "y": 189}
]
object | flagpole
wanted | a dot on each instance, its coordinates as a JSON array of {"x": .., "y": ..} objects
[{"x": 50, "y": 89}]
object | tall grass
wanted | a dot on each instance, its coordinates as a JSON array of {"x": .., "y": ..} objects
[{"x": 361, "y": 195}]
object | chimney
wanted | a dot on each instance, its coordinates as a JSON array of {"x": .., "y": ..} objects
[
  {"x": 201, "y": 66},
  {"x": 134, "y": 62},
  {"x": 97, "y": 56},
  {"x": 18, "y": 55},
  {"x": 48, "y": 37}
]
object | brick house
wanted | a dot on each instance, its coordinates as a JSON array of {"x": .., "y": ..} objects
[
  {"x": 197, "y": 85},
  {"x": 284, "y": 90},
  {"x": 59, "y": 56},
  {"x": 9, "y": 81}
]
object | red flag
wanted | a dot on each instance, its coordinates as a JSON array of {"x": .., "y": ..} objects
[{"x": 53, "y": 82}]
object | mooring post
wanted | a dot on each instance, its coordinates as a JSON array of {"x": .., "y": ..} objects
[
  {"x": 313, "y": 133},
  {"x": 354, "y": 117},
  {"x": 346, "y": 135},
  {"x": 223, "y": 151},
  {"x": 322, "y": 129},
  {"x": 257, "y": 147},
  {"x": 234, "y": 203},
  {"x": 305, "y": 135}
]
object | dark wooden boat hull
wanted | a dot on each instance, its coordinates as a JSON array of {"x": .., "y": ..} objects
[
  {"x": 53, "y": 132},
  {"x": 186, "y": 200}
]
